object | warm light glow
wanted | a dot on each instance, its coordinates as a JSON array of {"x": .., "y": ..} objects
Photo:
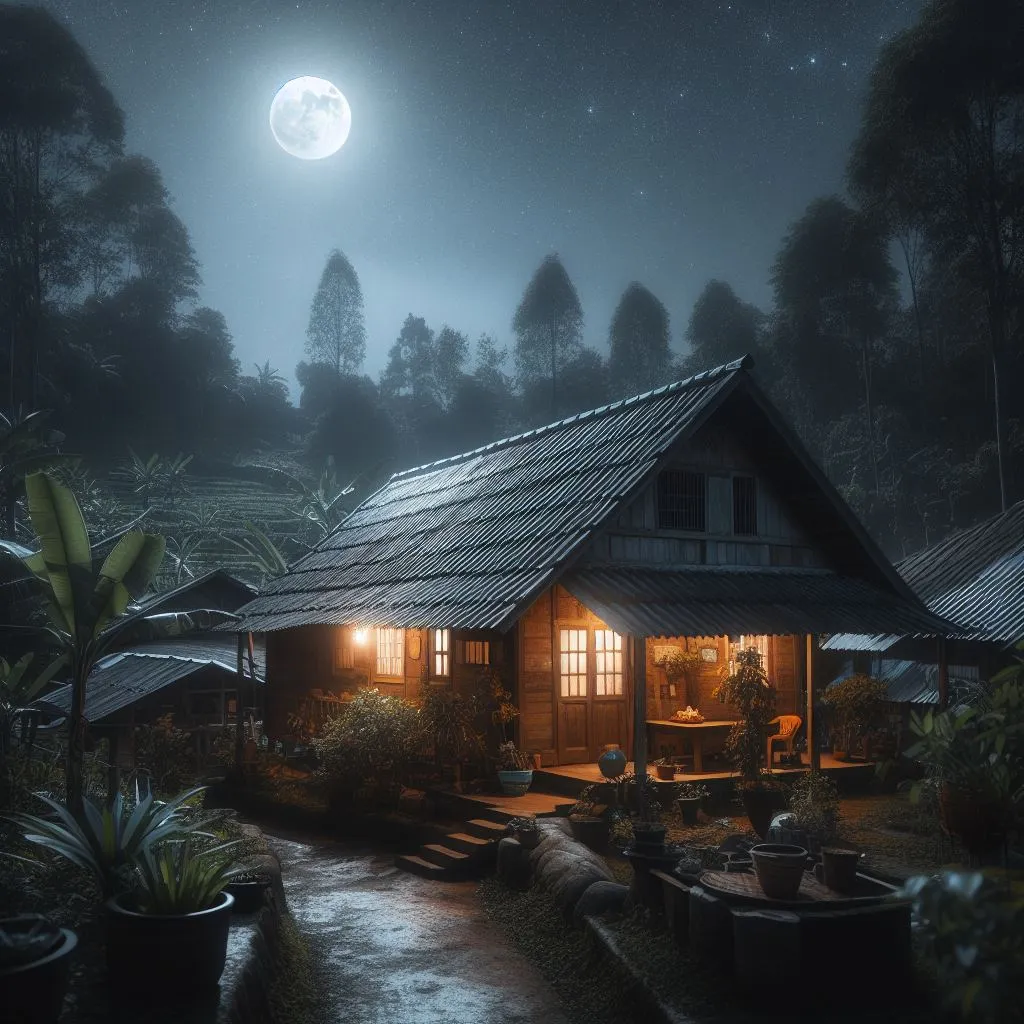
[{"x": 360, "y": 635}]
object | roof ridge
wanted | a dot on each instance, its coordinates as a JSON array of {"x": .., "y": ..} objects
[
  {"x": 959, "y": 535},
  {"x": 745, "y": 362}
]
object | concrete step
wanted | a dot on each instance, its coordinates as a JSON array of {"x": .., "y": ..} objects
[
  {"x": 485, "y": 828},
  {"x": 424, "y": 868},
  {"x": 475, "y": 846},
  {"x": 445, "y": 856}
]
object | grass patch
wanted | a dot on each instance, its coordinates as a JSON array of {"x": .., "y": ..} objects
[{"x": 293, "y": 993}]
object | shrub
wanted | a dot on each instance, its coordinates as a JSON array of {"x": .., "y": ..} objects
[
  {"x": 856, "y": 704},
  {"x": 370, "y": 742},
  {"x": 166, "y": 754},
  {"x": 448, "y": 722},
  {"x": 814, "y": 801},
  {"x": 749, "y": 691}
]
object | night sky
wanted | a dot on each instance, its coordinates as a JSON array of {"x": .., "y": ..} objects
[{"x": 666, "y": 142}]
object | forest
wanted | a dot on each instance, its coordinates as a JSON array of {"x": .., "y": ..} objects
[{"x": 893, "y": 343}]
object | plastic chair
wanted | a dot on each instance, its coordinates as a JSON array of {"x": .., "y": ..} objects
[{"x": 786, "y": 736}]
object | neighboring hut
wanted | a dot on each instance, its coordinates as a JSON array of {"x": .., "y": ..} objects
[
  {"x": 193, "y": 678},
  {"x": 574, "y": 557},
  {"x": 974, "y": 578}
]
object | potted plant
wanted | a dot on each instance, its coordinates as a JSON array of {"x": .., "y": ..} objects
[
  {"x": 249, "y": 889},
  {"x": 525, "y": 831},
  {"x": 170, "y": 931},
  {"x": 588, "y": 827},
  {"x": 664, "y": 768},
  {"x": 689, "y": 798},
  {"x": 855, "y": 705},
  {"x": 648, "y": 828},
  {"x": 814, "y": 806},
  {"x": 35, "y": 956},
  {"x": 975, "y": 754},
  {"x": 679, "y": 666},
  {"x": 748, "y": 690}
]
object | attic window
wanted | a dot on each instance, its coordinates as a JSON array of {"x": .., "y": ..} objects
[
  {"x": 744, "y": 506},
  {"x": 682, "y": 500},
  {"x": 476, "y": 652}
]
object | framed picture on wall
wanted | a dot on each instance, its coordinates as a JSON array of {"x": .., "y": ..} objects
[{"x": 709, "y": 654}]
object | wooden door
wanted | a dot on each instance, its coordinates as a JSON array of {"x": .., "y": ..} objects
[
  {"x": 572, "y": 681},
  {"x": 590, "y": 680}
]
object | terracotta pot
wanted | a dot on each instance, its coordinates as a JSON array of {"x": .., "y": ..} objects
[
  {"x": 779, "y": 869},
  {"x": 977, "y": 824},
  {"x": 688, "y": 808},
  {"x": 839, "y": 868},
  {"x": 665, "y": 772}
]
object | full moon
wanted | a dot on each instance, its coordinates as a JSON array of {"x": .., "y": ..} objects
[{"x": 310, "y": 118}]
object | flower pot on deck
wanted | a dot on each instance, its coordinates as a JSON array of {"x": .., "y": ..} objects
[
  {"x": 665, "y": 772},
  {"x": 515, "y": 783}
]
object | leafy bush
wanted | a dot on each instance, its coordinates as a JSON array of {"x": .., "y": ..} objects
[
  {"x": 448, "y": 723},
  {"x": 749, "y": 691},
  {"x": 856, "y": 705},
  {"x": 108, "y": 840},
  {"x": 814, "y": 801},
  {"x": 166, "y": 754},
  {"x": 370, "y": 741},
  {"x": 971, "y": 926}
]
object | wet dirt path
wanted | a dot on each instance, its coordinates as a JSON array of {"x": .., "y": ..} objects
[{"x": 393, "y": 948}]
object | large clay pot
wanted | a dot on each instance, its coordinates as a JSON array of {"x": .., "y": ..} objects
[
  {"x": 515, "y": 783},
  {"x": 978, "y": 824},
  {"x": 779, "y": 869},
  {"x": 839, "y": 868},
  {"x": 175, "y": 955},
  {"x": 32, "y": 992}
]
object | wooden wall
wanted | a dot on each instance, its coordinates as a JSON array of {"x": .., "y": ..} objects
[
  {"x": 634, "y": 537},
  {"x": 536, "y": 686}
]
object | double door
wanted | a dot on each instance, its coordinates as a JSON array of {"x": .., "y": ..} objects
[{"x": 591, "y": 686}]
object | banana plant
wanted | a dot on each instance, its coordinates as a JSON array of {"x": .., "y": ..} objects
[
  {"x": 18, "y": 691},
  {"x": 262, "y": 550},
  {"x": 88, "y": 605}
]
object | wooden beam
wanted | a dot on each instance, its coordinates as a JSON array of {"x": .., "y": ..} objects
[
  {"x": 943, "y": 675},
  {"x": 639, "y": 645},
  {"x": 813, "y": 754}
]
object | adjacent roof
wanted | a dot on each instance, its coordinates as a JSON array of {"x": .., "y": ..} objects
[
  {"x": 128, "y": 676},
  {"x": 471, "y": 541},
  {"x": 216, "y": 588},
  {"x": 718, "y": 601},
  {"x": 915, "y": 682},
  {"x": 975, "y": 577}
]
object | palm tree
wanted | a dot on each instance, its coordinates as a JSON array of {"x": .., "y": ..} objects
[{"x": 89, "y": 606}]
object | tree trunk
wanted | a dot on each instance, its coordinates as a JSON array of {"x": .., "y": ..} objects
[{"x": 77, "y": 726}]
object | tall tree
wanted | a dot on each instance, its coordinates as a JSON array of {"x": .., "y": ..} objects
[
  {"x": 722, "y": 327},
  {"x": 834, "y": 280},
  {"x": 548, "y": 326},
  {"x": 639, "y": 342},
  {"x": 58, "y": 126},
  {"x": 336, "y": 334},
  {"x": 941, "y": 137},
  {"x": 450, "y": 351},
  {"x": 412, "y": 363}
]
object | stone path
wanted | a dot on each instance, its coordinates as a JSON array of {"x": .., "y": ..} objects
[{"x": 393, "y": 948}]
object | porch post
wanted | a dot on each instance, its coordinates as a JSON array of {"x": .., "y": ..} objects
[
  {"x": 239, "y": 718},
  {"x": 813, "y": 754},
  {"x": 943, "y": 675},
  {"x": 640, "y": 706}
]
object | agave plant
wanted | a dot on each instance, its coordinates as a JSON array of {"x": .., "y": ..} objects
[
  {"x": 175, "y": 879},
  {"x": 108, "y": 840}
]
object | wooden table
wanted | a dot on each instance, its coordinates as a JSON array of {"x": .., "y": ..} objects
[
  {"x": 741, "y": 887},
  {"x": 694, "y": 732}
]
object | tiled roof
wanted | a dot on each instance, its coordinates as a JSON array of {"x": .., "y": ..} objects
[
  {"x": 470, "y": 541},
  {"x": 718, "y": 601},
  {"x": 975, "y": 578},
  {"x": 124, "y": 678}
]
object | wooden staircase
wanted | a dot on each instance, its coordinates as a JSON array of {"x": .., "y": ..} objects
[{"x": 464, "y": 853}]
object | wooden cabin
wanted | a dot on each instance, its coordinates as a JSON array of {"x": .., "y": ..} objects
[{"x": 573, "y": 557}]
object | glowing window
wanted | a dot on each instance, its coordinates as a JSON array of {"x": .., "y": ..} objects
[
  {"x": 607, "y": 663},
  {"x": 441, "y": 640},
  {"x": 390, "y": 652},
  {"x": 476, "y": 652},
  {"x": 572, "y": 650}
]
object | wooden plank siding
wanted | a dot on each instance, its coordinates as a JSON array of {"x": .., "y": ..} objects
[{"x": 633, "y": 536}]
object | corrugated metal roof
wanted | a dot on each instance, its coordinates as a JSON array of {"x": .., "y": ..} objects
[
  {"x": 717, "y": 601},
  {"x": 915, "y": 682},
  {"x": 127, "y": 676},
  {"x": 975, "y": 578},
  {"x": 469, "y": 541}
]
